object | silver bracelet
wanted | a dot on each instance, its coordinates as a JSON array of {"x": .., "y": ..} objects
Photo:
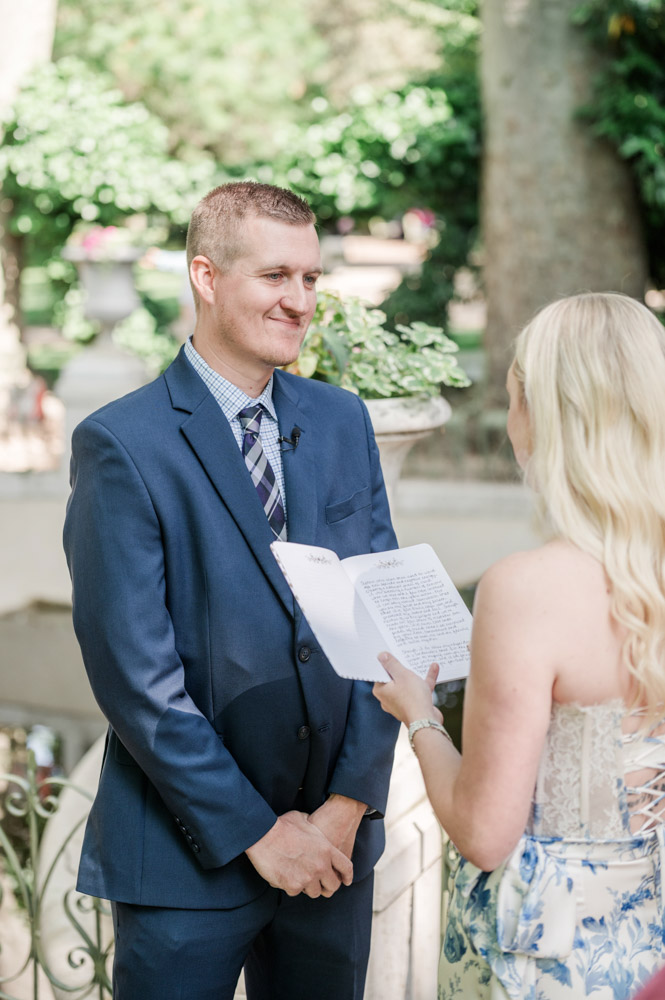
[{"x": 426, "y": 724}]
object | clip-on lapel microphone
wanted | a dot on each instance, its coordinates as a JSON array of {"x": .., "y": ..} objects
[{"x": 293, "y": 440}]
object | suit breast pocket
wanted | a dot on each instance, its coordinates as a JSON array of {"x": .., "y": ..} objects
[{"x": 344, "y": 508}]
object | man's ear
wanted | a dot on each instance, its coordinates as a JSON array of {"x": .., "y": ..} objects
[{"x": 202, "y": 272}]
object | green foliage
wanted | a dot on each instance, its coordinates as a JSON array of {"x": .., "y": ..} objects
[
  {"x": 455, "y": 178},
  {"x": 384, "y": 154},
  {"x": 425, "y": 296},
  {"x": 389, "y": 152},
  {"x": 141, "y": 334},
  {"x": 74, "y": 149},
  {"x": 377, "y": 157},
  {"x": 222, "y": 75},
  {"x": 628, "y": 107},
  {"x": 244, "y": 82},
  {"x": 348, "y": 344},
  {"x": 74, "y": 152},
  {"x": 48, "y": 360},
  {"x": 418, "y": 147}
]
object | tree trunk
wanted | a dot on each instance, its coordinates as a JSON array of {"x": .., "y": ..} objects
[
  {"x": 11, "y": 255},
  {"x": 559, "y": 209},
  {"x": 26, "y": 39}
]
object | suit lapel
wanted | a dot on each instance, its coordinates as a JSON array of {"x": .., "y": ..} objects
[
  {"x": 208, "y": 432},
  {"x": 299, "y": 463}
]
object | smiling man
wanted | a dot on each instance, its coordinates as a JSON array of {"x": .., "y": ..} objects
[{"x": 238, "y": 816}]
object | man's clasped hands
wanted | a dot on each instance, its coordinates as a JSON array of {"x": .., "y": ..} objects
[{"x": 310, "y": 854}]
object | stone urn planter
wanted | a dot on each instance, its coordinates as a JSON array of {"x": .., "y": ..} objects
[
  {"x": 398, "y": 423},
  {"x": 102, "y": 371},
  {"x": 108, "y": 282}
]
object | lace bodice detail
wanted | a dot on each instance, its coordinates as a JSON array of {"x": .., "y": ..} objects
[{"x": 584, "y": 785}]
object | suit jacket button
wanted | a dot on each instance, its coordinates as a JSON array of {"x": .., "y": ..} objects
[
  {"x": 304, "y": 654},
  {"x": 196, "y": 848},
  {"x": 303, "y": 732}
]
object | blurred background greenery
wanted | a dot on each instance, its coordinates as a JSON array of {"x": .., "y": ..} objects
[{"x": 370, "y": 108}]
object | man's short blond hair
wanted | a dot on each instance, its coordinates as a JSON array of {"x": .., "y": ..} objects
[{"x": 215, "y": 229}]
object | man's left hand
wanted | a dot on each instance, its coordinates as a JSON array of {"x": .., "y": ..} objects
[{"x": 339, "y": 818}]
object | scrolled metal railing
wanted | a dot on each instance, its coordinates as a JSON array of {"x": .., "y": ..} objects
[{"x": 74, "y": 921}]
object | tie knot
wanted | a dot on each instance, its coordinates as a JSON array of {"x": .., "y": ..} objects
[{"x": 250, "y": 418}]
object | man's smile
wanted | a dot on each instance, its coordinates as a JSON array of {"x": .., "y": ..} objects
[{"x": 295, "y": 323}]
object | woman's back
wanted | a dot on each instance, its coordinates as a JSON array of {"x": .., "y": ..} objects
[
  {"x": 601, "y": 773},
  {"x": 576, "y": 910}
]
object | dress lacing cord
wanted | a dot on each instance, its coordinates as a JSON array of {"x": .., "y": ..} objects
[{"x": 645, "y": 753}]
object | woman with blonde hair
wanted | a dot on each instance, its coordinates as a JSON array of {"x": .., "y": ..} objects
[{"x": 556, "y": 806}]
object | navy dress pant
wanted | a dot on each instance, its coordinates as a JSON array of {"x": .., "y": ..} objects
[{"x": 292, "y": 948}]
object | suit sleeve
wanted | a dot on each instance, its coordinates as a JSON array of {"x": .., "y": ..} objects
[
  {"x": 116, "y": 560},
  {"x": 364, "y": 764}
]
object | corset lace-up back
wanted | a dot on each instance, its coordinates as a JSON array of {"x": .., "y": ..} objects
[
  {"x": 600, "y": 775},
  {"x": 644, "y": 770}
]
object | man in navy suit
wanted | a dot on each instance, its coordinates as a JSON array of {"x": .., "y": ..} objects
[{"x": 238, "y": 816}]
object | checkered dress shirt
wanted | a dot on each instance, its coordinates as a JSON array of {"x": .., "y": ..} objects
[{"x": 232, "y": 400}]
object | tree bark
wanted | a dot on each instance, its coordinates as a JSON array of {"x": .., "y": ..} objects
[
  {"x": 559, "y": 212},
  {"x": 11, "y": 255}
]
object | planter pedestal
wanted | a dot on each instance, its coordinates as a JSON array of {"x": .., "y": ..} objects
[
  {"x": 406, "y": 928},
  {"x": 398, "y": 424}
]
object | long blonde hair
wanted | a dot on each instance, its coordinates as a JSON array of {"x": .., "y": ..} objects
[{"x": 592, "y": 372}]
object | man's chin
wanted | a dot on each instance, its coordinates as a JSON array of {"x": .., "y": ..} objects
[{"x": 285, "y": 357}]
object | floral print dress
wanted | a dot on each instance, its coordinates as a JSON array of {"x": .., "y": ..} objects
[{"x": 578, "y": 909}]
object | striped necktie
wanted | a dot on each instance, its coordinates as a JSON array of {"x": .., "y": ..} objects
[{"x": 260, "y": 470}]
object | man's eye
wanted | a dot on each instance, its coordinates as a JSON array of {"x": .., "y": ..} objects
[
  {"x": 311, "y": 279},
  {"x": 275, "y": 275}
]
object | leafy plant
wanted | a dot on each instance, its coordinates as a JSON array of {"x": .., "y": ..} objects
[
  {"x": 74, "y": 149},
  {"x": 384, "y": 154},
  {"x": 373, "y": 158},
  {"x": 456, "y": 177},
  {"x": 388, "y": 152},
  {"x": 141, "y": 334},
  {"x": 348, "y": 344},
  {"x": 221, "y": 75}
]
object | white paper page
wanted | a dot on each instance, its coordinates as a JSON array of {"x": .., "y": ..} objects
[
  {"x": 416, "y": 605},
  {"x": 338, "y": 618}
]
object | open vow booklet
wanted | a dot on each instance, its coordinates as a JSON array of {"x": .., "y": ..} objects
[{"x": 401, "y": 600}]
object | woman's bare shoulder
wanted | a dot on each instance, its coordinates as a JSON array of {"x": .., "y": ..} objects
[{"x": 557, "y": 568}]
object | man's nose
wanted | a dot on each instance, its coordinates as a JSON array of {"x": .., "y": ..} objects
[{"x": 295, "y": 298}]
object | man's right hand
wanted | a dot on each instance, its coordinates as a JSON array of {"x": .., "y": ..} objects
[{"x": 294, "y": 855}]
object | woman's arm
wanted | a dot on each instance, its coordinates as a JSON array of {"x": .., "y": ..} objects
[{"x": 483, "y": 798}]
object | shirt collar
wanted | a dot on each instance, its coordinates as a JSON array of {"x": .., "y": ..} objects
[{"x": 230, "y": 398}]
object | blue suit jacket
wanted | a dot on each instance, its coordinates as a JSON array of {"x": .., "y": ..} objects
[{"x": 195, "y": 650}]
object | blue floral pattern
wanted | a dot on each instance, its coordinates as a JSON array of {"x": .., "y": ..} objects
[{"x": 563, "y": 918}]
